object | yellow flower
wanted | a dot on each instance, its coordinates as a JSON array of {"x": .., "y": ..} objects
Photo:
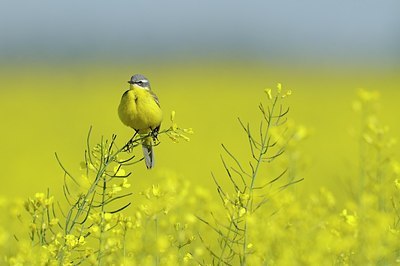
[
  {"x": 287, "y": 94},
  {"x": 190, "y": 218},
  {"x": 53, "y": 221},
  {"x": 94, "y": 229},
  {"x": 71, "y": 241},
  {"x": 89, "y": 252},
  {"x": 269, "y": 93},
  {"x": 115, "y": 189},
  {"x": 301, "y": 133},
  {"x": 127, "y": 221},
  {"x": 350, "y": 219},
  {"x": 48, "y": 201},
  {"x": 125, "y": 183},
  {"x": 279, "y": 87},
  {"x": 52, "y": 249},
  {"x": 91, "y": 167},
  {"x": 156, "y": 191},
  {"x": 44, "y": 226},
  {"x": 39, "y": 197},
  {"x": 185, "y": 137},
  {"x": 368, "y": 139},
  {"x": 81, "y": 240},
  {"x": 166, "y": 210},
  {"x": 188, "y": 130},
  {"x": 172, "y": 116},
  {"x": 146, "y": 193},
  {"x": 174, "y": 126},
  {"x": 95, "y": 217},
  {"x": 188, "y": 257},
  {"x": 118, "y": 171},
  {"x": 145, "y": 208},
  {"x": 242, "y": 211},
  {"x": 368, "y": 96},
  {"x": 108, "y": 216},
  {"x": 397, "y": 183},
  {"x": 107, "y": 227},
  {"x": 243, "y": 197}
]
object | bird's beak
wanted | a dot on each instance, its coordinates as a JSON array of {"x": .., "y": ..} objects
[{"x": 130, "y": 82}]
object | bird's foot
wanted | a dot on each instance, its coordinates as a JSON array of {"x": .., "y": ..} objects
[
  {"x": 154, "y": 134},
  {"x": 130, "y": 144}
]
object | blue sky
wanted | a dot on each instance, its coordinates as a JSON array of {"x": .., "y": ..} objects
[{"x": 364, "y": 31}]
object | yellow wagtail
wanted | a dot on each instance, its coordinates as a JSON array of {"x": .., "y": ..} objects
[{"x": 140, "y": 109}]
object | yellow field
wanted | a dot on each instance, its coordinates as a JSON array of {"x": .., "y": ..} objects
[{"x": 323, "y": 220}]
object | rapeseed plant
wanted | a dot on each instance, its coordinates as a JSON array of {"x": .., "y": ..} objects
[
  {"x": 92, "y": 228},
  {"x": 250, "y": 190},
  {"x": 257, "y": 219},
  {"x": 373, "y": 204}
]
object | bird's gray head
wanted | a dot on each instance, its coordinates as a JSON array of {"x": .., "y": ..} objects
[{"x": 139, "y": 80}]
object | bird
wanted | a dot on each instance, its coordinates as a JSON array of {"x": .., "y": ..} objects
[{"x": 140, "y": 110}]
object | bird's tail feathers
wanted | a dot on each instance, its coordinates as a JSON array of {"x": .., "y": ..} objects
[{"x": 148, "y": 154}]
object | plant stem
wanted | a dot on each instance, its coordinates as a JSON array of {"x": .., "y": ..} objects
[
  {"x": 102, "y": 225},
  {"x": 249, "y": 204}
]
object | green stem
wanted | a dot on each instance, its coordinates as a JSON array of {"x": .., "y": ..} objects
[
  {"x": 221, "y": 257},
  {"x": 82, "y": 206},
  {"x": 102, "y": 213},
  {"x": 249, "y": 203}
]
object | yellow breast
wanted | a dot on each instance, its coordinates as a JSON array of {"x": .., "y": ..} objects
[{"x": 139, "y": 110}]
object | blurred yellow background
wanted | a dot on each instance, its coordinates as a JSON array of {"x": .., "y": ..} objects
[{"x": 47, "y": 109}]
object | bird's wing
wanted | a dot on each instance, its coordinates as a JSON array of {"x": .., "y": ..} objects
[{"x": 155, "y": 98}]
